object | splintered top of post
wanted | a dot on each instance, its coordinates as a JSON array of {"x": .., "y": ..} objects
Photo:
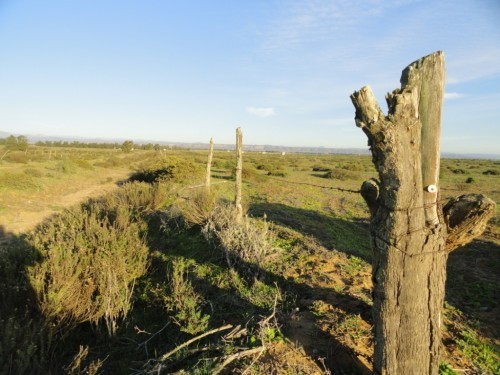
[{"x": 430, "y": 64}]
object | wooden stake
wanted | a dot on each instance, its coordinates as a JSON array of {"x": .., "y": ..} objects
[
  {"x": 209, "y": 164},
  {"x": 239, "y": 168}
]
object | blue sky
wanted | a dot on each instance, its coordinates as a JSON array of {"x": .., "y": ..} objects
[{"x": 283, "y": 70}]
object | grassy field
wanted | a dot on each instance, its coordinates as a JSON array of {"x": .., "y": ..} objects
[{"x": 159, "y": 276}]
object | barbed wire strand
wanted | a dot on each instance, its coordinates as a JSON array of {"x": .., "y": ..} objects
[{"x": 391, "y": 209}]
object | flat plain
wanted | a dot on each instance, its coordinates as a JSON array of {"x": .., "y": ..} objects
[{"x": 295, "y": 286}]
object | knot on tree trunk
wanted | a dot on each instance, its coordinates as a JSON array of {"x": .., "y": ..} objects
[
  {"x": 466, "y": 218},
  {"x": 370, "y": 191}
]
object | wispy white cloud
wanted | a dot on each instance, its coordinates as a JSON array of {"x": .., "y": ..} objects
[
  {"x": 321, "y": 20},
  {"x": 453, "y": 95},
  {"x": 261, "y": 112},
  {"x": 480, "y": 62}
]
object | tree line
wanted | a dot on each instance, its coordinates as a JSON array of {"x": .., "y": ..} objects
[{"x": 20, "y": 143}]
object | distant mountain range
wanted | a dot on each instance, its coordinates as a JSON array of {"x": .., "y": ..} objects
[{"x": 248, "y": 148}]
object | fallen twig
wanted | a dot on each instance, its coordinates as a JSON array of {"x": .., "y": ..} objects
[
  {"x": 189, "y": 342},
  {"x": 238, "y": 355}
]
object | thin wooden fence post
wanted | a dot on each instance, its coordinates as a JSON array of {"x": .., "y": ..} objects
[
  {"x": 239, "y": 168},
  {"x": 209, "y": 164}
]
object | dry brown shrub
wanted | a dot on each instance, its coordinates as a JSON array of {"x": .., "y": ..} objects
[
  {"x": 245, "y": 240},
  {"x": 197, "y": 208}
]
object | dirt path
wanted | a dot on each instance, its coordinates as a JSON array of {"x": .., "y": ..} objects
[{"x": 25, "y": 214}]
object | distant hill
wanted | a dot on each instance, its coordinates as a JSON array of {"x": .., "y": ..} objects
[{"x": 249, "y": 148}]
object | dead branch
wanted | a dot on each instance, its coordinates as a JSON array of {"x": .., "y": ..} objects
[
  {"x": 239, "y": 355},
  {"x": 194, "y": 339},
  {"x": 466, "y": 218}
]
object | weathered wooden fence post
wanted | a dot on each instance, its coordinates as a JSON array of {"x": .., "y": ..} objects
[
  {"x": 239, "y": 168},
  {"x": 209, "y": 164},
  {"x": 411, "y": 234}
]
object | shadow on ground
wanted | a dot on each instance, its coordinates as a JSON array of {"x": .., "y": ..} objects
[
  {"x": 227, "y": 306},
  {"x": 24, "y": 343},
  {"x": 473, "y": 284},
  {"x": 348, "y": 236}
]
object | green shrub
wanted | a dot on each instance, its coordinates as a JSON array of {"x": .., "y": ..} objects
[
  {"x": 17, "y": 157},
  {"x": 341, "y": 174},
  {"x": 355, "y": 167},
  {"x": 277, "y": 173},
  {"x": 250, "y": 173},
  {"x": 265, "y": 167},
  {"x": 470, "y": 180},
  {"x": 446, "y": 369},
  {"x": 320, "y": 168},
  {"x": 111, "y": 162},
  {"x": 458, "y": 171},
  {"x": 175, "y": 170},
  {"x": 136, "y": 198},
  {"x": 184, "y": 301},
  {"x": 90, "y": 263},
  {"x": 66, "y": 166},
  {"x": 84, "y": 164},
  {"x": 484, "y": 355},
  {"x": 229, "y": 164},
  {"x": 491, "y": 172},
  {"x": 18, "y": 181},
  {"x": 33, "y": 172}
]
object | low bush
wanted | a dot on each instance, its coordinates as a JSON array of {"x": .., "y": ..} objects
[
  {"x": 33, "y": 172},
  {"x": 224, "y": 164},
  {"x": 250, "y": 173},
  {"x": 19, "y": 157},
  {"x": 491, "y": 172},
  {"x": 196, "y": 210},
  {"x": 277, "y": 173},
  {"x": 18, "y": 181},
  {"x": 355, "y": 167},
  {"x": 246, "y": 242},
  {"x": 136, "y": 197},
  {"x": 265, "y": 167},
  {"x": 175, "y": 170},
  {"x": 341, "y": 174},
  {"x": 84, "y": 164},
  {"x": 111, "y": 162},
  {"x": 470, "y": 180},
  {"x": 66, "y": 166},
  {"x": 90, "y": 261},
  {"x": 320, "y": 168},
  {"x": 183, "y": 300}
]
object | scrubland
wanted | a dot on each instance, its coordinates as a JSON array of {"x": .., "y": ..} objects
[{"x": 114, "y": 262}]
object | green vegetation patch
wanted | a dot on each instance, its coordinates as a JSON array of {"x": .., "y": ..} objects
[{"x": 18, "y": 181}]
